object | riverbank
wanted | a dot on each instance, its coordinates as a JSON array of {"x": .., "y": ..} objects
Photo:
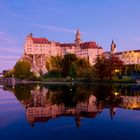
[
  {"x": 88, "y": 80},
  {"x": 12, "y": 81}
]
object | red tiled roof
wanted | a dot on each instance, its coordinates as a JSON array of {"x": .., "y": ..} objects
[
  {"x": 118, "y": 53},
  {"x": 87, "y": 45},
  {"x": 67, "y": 44},
  {"x": 84, "y": 45},
  {"x": 40, "y": 40}
]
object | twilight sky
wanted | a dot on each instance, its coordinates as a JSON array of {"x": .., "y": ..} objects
[{"x": 98, "y": 20}]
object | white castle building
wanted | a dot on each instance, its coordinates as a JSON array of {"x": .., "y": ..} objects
[{"x": 37, "y": 50}]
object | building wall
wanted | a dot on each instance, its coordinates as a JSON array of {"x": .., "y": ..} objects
[
  {"x": 130, "y": 57},
  {"x": 54, "y": 49}
]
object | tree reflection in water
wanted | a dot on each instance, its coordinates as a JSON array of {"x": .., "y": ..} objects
[{"x": 44, "y": 102}]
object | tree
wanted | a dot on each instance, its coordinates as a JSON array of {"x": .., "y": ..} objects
[
  {"x": 84, "y": 69},
  {"x": 114, "y": 65},
  {"x": 22, "y": 69},
  {"x": 73, "y": 70},
  {"x": 55, "y": 63},
  {"x": 68, "y": 66},
  {"x": 107, "y": 67},
  {"x": 131, "y": 69},
  {"x": 67, "y": 63},
  {"x": 100, "y": 67},
  {"x": 9, "y": 74}
]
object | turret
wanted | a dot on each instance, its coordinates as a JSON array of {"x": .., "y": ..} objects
[
  {"x": 78, "y": 38},
  {"x": 30, "y": 35},
  {"x": 113, "y": 47}
]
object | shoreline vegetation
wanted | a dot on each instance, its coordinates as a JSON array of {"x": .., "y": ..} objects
[
  {"x": 73, "y": 69},
  {"x": 12, "y": 81}
]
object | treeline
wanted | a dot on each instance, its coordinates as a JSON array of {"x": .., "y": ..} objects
[
  {"x": 68, "y": 66},
  {"x": 71, "y": 66}
]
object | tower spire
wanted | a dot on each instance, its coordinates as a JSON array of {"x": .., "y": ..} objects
[
  {"x": 113, "y": 47},
  {"x": 78, "y": 38}
]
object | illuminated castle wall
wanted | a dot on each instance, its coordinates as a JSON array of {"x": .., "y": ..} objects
[{"x": 36, "y": 50}]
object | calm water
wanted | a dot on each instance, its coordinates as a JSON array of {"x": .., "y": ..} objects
[{"x": 70, "y": 112}]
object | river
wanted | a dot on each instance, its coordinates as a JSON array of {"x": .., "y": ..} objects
[{"x": 70, "y": 112}]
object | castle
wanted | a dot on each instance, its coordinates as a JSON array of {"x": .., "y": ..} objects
[{"x": 37, "y": 50}]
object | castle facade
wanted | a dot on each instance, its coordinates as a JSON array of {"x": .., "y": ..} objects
[{"x": 37, "y": 50}]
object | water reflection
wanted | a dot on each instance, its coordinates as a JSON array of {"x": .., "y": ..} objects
[{"x": 45, "y": 102}]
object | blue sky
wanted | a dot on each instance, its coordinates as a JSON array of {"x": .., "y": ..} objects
[{"x": 98, "y": 20}]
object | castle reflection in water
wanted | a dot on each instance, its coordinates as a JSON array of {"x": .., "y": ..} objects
[
  {"x": 43, "y": 103},
  {"x": 42, "y": 109}
]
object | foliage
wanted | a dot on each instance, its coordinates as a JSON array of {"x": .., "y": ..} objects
[
  {"x": 68, "y": 66},
  {"x": 22, "y": 69},
  {"x": 34, "y": 77},
  {"x": 54, "y": 63},
  {"x": 131, "y": 69},
  {"x": 84, "y": 69},
  {"x": 107, "y": 67},
  {"x": 9, "y": 74}
]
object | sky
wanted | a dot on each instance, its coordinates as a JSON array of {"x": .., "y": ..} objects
[{"x": 98, "y": 20}]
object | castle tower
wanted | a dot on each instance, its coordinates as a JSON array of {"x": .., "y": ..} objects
[
  {"x": 78, "y": 38},
  {"x": 30, "y": 35},
  {"x": 113, "y": 47}
]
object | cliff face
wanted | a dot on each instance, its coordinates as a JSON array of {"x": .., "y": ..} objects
[{"x": 37, "y": 63}]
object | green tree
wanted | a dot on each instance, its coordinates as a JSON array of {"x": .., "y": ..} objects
[
  {"x": 73, "y": 70},
  {"x": 67, "y": 63},
  {"x": 100, "y": 67},
  {"x": 131, "y": 68},
  {"x": 55, "y": 63},
  {"x": 9, "y": 74},
  {"x": 68, "y": 66},
  {"x": 53, "y": 66},
  {"x": 84, "y": 69},
  {"x": 22, "y": 69}
]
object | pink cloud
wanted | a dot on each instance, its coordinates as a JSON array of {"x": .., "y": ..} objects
[
  {"x": 8, "y": 43},
  {"x": 15, "y": 50},
  {"x": 6, "y": 38},
  {"x": 55, "y": 28},
  {"x": 9, "y": 58}
]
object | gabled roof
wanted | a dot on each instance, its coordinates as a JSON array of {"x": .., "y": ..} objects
[
  {"x": 67, "y": 44},
  {"x": 87, "y": 45},
  {"x": 40, "y": 40}
]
